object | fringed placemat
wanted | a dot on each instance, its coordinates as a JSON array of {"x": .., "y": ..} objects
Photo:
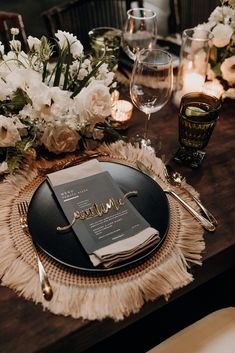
[{"x": 98, "y": 297}]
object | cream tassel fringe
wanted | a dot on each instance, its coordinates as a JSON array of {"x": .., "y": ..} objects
[{"x": 117, "y": 296}]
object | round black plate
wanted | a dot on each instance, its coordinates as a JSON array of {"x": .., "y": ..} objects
[{"x": 45, "y": 214}]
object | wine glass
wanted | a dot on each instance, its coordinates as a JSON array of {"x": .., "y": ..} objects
[
  {"x": 140, "y": 31},
  {"x": 151, "y": 85}
]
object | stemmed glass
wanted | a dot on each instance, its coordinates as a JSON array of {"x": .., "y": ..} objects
[
  {"x": 151, "y": 85},
  {"x": 140, "y": 31}
]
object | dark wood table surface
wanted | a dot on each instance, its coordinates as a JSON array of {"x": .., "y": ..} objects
[{"x": 25, "y": 327}]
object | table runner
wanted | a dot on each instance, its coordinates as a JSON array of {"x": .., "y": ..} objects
[{"x": 97, "y": 297}]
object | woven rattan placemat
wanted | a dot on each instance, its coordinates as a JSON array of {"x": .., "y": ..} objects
[{"x": 96, "y": 297}]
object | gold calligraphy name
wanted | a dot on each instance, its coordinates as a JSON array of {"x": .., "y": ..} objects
[{"x": 98, "y": 210}]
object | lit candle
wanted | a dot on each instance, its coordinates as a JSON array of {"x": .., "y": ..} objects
[
  {"x": 193, "y": 82},
  {"x": 121, "y": 113}
]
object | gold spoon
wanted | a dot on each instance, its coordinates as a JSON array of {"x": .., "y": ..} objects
[{"x": 176, "y": 179}]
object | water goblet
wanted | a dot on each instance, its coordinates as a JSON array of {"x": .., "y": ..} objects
[
  {"x": 139, "y": 32},
  {"x": 105, "y": 41},
  {"x": 198, "y": 115},
  {"x": 150, "y": 86}
]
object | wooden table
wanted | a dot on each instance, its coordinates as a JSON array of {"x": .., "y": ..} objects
[{"x": 24, "y": 327}]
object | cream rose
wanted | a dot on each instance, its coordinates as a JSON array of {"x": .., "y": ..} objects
[
  {"x": 222, "y": 34},
  {"x": 95, "y": 101},
  {"x": 228, "y": 70},
  {"x": 60, "y": 139},
  {"x": 9, "y": 134}
]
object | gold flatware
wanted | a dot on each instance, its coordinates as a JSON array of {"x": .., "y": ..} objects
[
  {"x": 176, "y": 179},
  {"x": 44, "y": 281},
  {"x": 202, "y": 220}
]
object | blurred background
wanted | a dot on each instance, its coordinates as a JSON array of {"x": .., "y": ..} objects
[{"x": 172, "y": 15}]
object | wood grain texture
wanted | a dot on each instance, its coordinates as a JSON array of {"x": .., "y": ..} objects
[{"x": 25, "y": 327}]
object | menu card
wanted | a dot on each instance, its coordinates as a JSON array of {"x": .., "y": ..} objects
[{"x": 81, "y": 191}]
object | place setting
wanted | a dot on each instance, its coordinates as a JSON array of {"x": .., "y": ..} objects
[{"x": 86, "y": 220}]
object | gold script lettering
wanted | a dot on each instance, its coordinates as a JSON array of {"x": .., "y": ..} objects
[{"x": 98, "y": 210}]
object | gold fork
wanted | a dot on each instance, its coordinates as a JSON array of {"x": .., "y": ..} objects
[{"x": 44, "y": 281}]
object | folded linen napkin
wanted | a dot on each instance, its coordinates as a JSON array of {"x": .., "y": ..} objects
[
  {"x": 116, "y": 241},
  {"x": 125, "y": 249}
]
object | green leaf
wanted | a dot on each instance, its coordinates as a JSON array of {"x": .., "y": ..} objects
[
  {"x": 14, "y": 159},
  {"x": 18, "y": 101},
  {"x": 217, "y": 70}
]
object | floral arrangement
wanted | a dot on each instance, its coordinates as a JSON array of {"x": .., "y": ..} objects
[
  {"x": 60, "y": 105},
  {"x": 221, "y": 70}
]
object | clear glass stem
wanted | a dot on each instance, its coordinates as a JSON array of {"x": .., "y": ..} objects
[{"x": 146, "y": 125}]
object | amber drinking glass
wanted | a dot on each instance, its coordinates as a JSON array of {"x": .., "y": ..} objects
[{"x": 197, "y": 118}]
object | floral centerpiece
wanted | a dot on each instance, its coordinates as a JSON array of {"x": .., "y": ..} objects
[
  {"x": 58, "y": 104},
  {"x": 221, "y": 70}
]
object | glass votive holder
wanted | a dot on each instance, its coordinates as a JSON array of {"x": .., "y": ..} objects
[
  {"x": 106, "y": 41},
  {"x": 121, "y": 114},
  {"x": 197, "y": 118},
  {"x": 194, "y": 55}
]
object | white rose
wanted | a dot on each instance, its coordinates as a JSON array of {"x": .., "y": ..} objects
[
  {"x": 228, "y": 70},
  {"x": 95, "y": 101},
  {"x": 9, "y": 134},
  {"x": 222, "y": 34},
  {"x": 60, "y": 139}
]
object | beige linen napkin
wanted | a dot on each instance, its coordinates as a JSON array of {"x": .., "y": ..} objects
[
  {"x": 125, "y": 249},
  {"x": 118, "y": 251}
]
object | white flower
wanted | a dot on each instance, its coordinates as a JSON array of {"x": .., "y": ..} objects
[
  {"x": 228, "y": 70},
  {"x": 15, "y": 45},
  {"x": 5, "y": 91},
  {"x": 3, "y": 168},
  {"x": 14, "y": 31},
  {"x": 2, "y": 49},
  {"x": 95, "y": 101},
  {"x": 104, "y": 75},
  {"x": 59, "y": 102},
  {"x": 49, "y": 104},
  {"x": 222, "y": 34},
  {"x": 82, "y": 74},
  {"x": 68, "y": 40},
  {"x": 9, "y": 134},
  {"x": 60, "y": 139},
  {"x": 23, "y": 78},
  {"x": 230, "y": 93},
  {"x": 34, "y": 43},
  {"x": 213, "y": 88}
]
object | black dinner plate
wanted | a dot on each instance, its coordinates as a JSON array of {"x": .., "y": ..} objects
[{"x": 45, "y": 214}]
